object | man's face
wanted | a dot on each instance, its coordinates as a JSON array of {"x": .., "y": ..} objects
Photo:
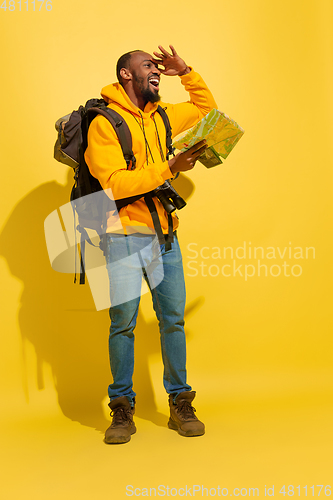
[{"x": 146, "y": 76}]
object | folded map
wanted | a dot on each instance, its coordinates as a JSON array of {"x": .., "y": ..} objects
[{"x": 221, "y": 133}]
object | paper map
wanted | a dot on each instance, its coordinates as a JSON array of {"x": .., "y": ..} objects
[{"x": 221, "y": 133}]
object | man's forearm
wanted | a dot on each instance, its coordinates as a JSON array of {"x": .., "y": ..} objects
[{"x": 186, "y": 114}]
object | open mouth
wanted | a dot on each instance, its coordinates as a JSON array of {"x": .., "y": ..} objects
[{"x": 154, "y": 82}]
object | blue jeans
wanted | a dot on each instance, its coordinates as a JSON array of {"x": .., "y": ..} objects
[{"x": 129, "y": 258}]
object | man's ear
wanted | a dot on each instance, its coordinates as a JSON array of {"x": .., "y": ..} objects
[{"x": 125, "y": 74}]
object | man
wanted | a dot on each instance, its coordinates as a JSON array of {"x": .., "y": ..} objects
[{"x": 135, "y": 97}]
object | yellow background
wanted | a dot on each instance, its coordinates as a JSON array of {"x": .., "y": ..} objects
[{"x": 259, "y": 350}]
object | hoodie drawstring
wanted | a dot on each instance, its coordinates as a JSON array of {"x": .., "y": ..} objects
[
  {"x": 146, "y": 142},
  {"x": 144, "y": 135},
  {"x": 158, "y": 137}
]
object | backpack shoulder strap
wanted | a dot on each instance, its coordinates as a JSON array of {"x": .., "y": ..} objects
[
  {"x": 168, "y": 129},
  {"x": 120, "y": 126}
]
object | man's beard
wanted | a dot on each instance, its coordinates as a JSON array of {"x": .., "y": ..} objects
[{"x": 147, "y": 94}]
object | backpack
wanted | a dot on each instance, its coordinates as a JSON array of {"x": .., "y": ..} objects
[{"x": 69, "y": 149}]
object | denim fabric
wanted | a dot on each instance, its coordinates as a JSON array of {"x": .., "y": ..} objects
[{"x": 128, "y": 260}]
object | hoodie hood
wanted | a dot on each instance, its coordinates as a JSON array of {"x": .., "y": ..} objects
[{"x": 115, "y": 94}]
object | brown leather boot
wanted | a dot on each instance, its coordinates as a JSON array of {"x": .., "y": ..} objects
[
  {"x": 122, "y": 422},
  {"x": 182, "y": 417}
]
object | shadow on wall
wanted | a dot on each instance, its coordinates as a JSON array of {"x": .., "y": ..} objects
[{"x": 60, "y": 320}]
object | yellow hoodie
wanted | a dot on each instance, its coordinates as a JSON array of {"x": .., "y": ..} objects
[{"x": 106, "y": 162}]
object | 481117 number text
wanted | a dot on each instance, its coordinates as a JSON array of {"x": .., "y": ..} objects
[{"x": 12, "y": 5}]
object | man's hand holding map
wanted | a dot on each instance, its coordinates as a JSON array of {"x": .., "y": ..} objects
[{"x": 220, "y": 132}]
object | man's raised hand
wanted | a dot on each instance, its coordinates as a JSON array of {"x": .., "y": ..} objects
[{"x": 173, "y": 64}]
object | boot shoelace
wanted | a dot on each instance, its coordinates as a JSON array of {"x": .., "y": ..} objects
[
  {"x": 186, "y": 409},
  {"x": 121, "y": 415}
]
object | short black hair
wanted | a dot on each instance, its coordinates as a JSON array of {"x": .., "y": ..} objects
[{"x": 124, "y": 62}]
